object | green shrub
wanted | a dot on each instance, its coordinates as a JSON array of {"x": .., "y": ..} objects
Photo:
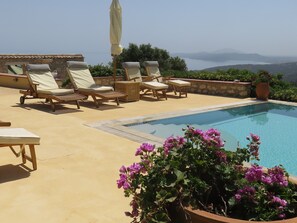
[
  {"x": 279, "y": 89},
  {"x": 103, "y": 71},
  {"x": 222, "y": 75}
]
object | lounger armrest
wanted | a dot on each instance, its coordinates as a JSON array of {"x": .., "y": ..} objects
[
  {"x": 134, "y": 78},
  {"x": 166, "y": 78},
  {"x": 156, "y": 78},
  {"x": 5, "y": 123},
  {"x": 35, "y": 86}
]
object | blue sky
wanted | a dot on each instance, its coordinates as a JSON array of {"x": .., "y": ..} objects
[{"x": 268, "y": 27}]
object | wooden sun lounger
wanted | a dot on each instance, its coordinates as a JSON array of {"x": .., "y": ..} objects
[
  {"x": 180, "y": 86},
  {"x": 84, "y": 84},
  {"x": 52, "y": 99},
  {"x": 43, "y": 85},
  {"x": 103, "y": 96},
  {"x": 132, "y": 70},
  {"x": 11, "y": 137}
]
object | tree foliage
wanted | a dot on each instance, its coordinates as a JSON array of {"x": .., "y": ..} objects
[{"x": 145, "y": 52}]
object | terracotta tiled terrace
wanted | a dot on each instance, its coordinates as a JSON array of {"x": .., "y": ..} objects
[{"x": 77, "y": 165}]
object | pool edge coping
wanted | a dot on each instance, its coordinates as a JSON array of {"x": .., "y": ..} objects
[{"x": 116, "y": 126}]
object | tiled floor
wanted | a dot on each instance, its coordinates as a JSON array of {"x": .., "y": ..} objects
[{"x": 77, "y": 165}]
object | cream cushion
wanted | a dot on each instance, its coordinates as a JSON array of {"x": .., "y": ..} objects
[
  {"x": 154, "y": 85},
  {"x": 57, "y": 92},
  {"x": 154, "y": 72},
  {"x": 17, "y": 136},
  {"x": 83, "y": 81},
  {"x": 81, "y": 78},
  {"x": 96, "y": 88},
  {"x": 152, "y": 69},
  {"x": 44, "y": 79},
  {"x": 133, "y": 73},
  {"x": 179, "y": 83}
]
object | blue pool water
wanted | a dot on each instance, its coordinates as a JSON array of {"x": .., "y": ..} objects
[{"x": 276, "y": 124}]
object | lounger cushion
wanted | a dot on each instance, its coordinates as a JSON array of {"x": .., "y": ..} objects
[
  {"x": 152, "y": 69},
  {"x": 59, "y": 91},
  {"x": 179, "y": 83},
  {"x": 77, "y": 65},
  {"x": 96, "y": 88},
  {"x": 17, "y": 136},
  {"x": 151, "y": 64},
  {"x": 81, "y": 78},
  {"x": 38, "y": 67},
  {"x": 44, "y": 79},
  {"x": 129, "y": 65},
  {"x": 154, "y": 85},
  {"x": 132, "y": 71}
]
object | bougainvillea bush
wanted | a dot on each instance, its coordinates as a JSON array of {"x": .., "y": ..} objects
[{"x": 196, "y": 171}]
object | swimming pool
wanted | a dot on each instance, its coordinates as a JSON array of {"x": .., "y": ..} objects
[{"x": 276, "y": 124}]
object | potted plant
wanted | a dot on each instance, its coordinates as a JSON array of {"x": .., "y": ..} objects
[
  {"x": 194, "y": 179},
  {"x": 262, "y": 85}
]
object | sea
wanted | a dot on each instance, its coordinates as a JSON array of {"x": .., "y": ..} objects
[{"x": 94, "y": 58}]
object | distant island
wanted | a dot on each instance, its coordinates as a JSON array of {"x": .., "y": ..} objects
[
  {"x": 233, "y": 55},
  {"x": 289, "y": 70},
  {"x": 285, "y": 65}
]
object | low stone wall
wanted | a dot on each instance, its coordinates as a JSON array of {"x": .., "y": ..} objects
[
  {"x": 209, "y": 87},
  {"x": 14, "y": 81},
  {"x": 220, "y": 88},
  {"x": 56, "y": 62},
  {"x": 106, "y": 81}
]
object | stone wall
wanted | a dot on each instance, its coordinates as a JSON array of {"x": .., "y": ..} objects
[
  {"x": 14, "y": 81},
  {"x": 106, "y": 81},
  {"x": 220, "y": 88},
  {"x": 57, "y": 62}
]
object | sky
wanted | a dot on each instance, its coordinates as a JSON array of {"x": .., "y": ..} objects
[{"x": 267, "y": 27}]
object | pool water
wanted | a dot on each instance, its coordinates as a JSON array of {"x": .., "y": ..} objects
[{"x": 276, "y": 124}]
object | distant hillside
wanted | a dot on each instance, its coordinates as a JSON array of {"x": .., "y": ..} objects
[
  {"x": 222, "y": 56},
  {"x": 289, "y": 70}
]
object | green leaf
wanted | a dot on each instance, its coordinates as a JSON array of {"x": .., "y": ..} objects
[
  {"x": 180, "y": 175},
  {"x": 231, "y": 201},
  {"x": 171, "y": 199}
]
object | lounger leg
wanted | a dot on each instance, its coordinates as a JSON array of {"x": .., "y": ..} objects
[
  {"x": 52, "y": 105},
  {"x": 164, "y": 94},
  {"x": 95, "y": 101},
  {"x": 77, "y": 104},
  {"x": 118, "y": 102},
  {"x": 174, "y": 89},
  {"x": 22, "y": 100},
  {"x": 155, "y": 93},
  {"x": 33, "y": 156},
  {"x": 23, "y": 155}
]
